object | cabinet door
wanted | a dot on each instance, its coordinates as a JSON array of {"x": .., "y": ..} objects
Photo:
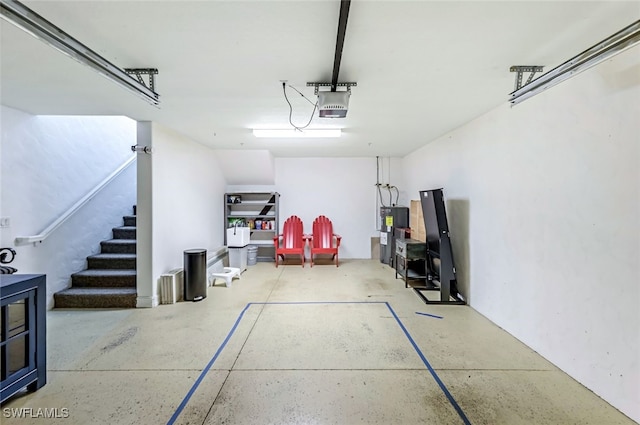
[{"x": 17, "y": 346}]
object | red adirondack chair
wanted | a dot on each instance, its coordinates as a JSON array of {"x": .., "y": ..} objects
[
  {"x": 291, "y": 240},
  {"x": 322, "y": 239}
]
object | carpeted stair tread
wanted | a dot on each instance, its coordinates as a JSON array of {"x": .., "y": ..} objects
[
  {"x": 112, "y": 255},
  {"x": 129, "y": 220},
  {"x": 125, "y": 227},
  {"x": 120, "y": 241},
  {"x": 112, "y": 261},
  {"x": 125, "y": 246},
  {"x": 104, "y": 277},
  {"x": 105, "y": 297},
  {"x": 106, "y": 272},
  {"x": 124, "y": 232},
  {"x": 99, "y": 291}
]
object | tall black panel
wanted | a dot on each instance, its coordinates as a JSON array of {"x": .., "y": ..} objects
[
  {"x": 429, "y": 200},
  {"x": 442, "y": 271}
]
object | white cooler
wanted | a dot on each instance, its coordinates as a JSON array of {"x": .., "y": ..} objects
[{"x": 238, "y": 240}]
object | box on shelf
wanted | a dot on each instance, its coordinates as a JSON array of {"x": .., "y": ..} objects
[{"x": 416, "y": 221}]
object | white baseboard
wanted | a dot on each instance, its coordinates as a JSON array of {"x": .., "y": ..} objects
[{"x": 147, "y": 302}]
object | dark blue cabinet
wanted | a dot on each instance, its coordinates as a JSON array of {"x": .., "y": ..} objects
[{"x": 23, "y": 333}]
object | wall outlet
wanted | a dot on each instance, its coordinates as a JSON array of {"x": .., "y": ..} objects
[{"x": 5, "y": 222}]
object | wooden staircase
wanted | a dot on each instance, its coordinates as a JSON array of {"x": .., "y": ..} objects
[{"x": 110, "y": 278}]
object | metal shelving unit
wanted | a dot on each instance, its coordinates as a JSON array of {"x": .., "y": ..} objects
[{"x": 254, "y": 209}]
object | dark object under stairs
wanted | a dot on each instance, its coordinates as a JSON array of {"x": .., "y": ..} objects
[{"x": 110, "y": 278}]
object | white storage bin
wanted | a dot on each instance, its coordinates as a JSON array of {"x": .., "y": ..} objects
[{"x": 238, "y": 237}]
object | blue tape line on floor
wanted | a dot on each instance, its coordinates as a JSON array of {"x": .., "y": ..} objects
[
  {"x": 206, "y": 369},
  {"x": 319, "y": 302},
  {"x": 406, "y": 332},
  {"x": 433, "y": 372},
  {"x": 430, "y": 315}
]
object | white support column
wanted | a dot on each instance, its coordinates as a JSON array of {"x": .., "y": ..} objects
[{"x": 147, "y": 287}]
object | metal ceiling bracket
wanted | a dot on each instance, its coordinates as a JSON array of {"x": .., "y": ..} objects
[
  {"x": 142, "y": 149},
  {"x": 139, "y": 72},
  {"x": 521, "y": 69},
  {"x": 318, "y": 85}
]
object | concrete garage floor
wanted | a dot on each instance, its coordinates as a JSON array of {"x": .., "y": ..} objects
[{"x": 293, "y": 345}]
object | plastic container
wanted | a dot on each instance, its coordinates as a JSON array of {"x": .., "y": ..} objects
[
  {"x": 238, "y": 258},
  {"x": 238, "y": 237},
  {"x": 252, "y": 255}
]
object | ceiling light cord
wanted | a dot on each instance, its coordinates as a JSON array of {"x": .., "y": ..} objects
[
  {"x": 315, "y": 106},
  {"x": 306, "y": 98}
]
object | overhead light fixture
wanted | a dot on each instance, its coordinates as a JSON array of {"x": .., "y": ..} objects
[
  {"x": 26, "y": 19},
  {"x": 600, "y": 52},
  {"x": 293, "y": 133}
]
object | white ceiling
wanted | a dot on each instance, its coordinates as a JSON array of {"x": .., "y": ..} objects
[{"x": 423, "y": 68}]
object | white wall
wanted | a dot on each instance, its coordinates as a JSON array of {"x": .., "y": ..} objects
[
  {"x": 182, "y": 200},
  {"x": 48, "y": 164},
  {"x": 340, "y": 188},
  {"x": 544, "y": 210},
  {"x": 244, "y": 166},
  {"x": 343, "y": 189}
]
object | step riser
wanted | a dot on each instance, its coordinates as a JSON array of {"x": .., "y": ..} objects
[
  {"x": 111, "y": 263},
  {"x": 124, "y": 233},
  {"x": 129, "y": 220},
  {"x": 95, "y": 301},
  {"x": 112, "y": 248},
  {"x": 81, "y": 281}
]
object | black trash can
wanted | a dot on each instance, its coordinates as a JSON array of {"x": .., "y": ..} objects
[{"x": 195, "y": 274}]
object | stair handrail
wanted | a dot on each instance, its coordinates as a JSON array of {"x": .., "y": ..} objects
[{"x": 22, "y": 240}]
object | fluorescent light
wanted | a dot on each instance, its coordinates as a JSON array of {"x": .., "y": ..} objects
[
  {"x": 293, "y": 133},
  {"x": 607, "y": 48},
  {"x": 34, "y": 24}
]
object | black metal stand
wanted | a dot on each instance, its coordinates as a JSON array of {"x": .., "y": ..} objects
[
  {"x": 453, "y": 299},
  {"x": 441, "y": 273}
]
